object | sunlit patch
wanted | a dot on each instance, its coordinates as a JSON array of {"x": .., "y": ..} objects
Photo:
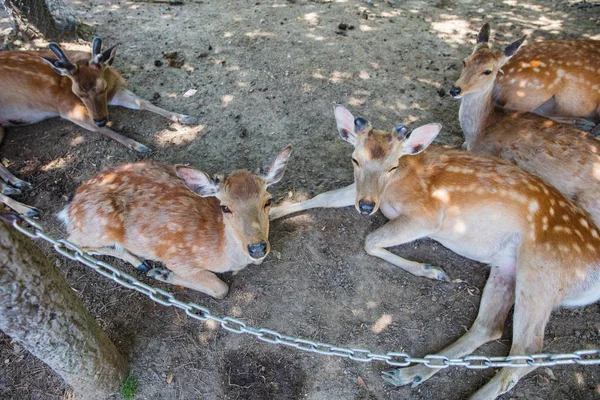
[
  {"x": 57, "y": 164},
  {"x": 315, "y": 37},
  {"x": 226, "y": 99},
  {"x": 178, "y": 135},
  {"x": 317, "y": 75},
  {"x": 242, "y": 84},
  {"x": 77, "y": 140},
  {"x": 366, "y": 28},
  {"x": 372, "y": 304},
  {"x": 338, "y": 76},
  {"x": 356, "y": 101},
  {"x": 452, "y": 29},
  {"x": 312, "y": 18},
  {"x": 383, "y": 322},
  {"x": 306, "y": 88},
  {"x": 364, "y": 75},
  {"x": 228, "y": 34},
  {"x": 259, "y": 33},
  {"x": 579, "y": 379}
]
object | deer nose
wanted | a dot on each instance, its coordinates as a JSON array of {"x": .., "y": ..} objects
[
  {"x": 100, "y": 122},
  {"x": 365, "y": 207},
  {"x": 454, "y": 91},
  {"x": 257, "y": 250}
]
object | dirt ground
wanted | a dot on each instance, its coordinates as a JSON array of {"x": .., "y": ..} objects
[{"x": 267, "y": 73}]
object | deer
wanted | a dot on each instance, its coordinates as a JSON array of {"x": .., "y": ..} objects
[
  {"x": 195, "y": 224},
  {"x": 543, "y": 250},
  {"x": 559, "y": 79},
  {"x": 77, "y": 86},
  {"x": 560, "y": 154}
]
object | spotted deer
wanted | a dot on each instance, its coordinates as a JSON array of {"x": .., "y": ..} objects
[
  {"x": 195, "y": 224},
  {"x": 77, "y": 86},
  {"x": 554, "y": 78},
  {"x": 482, "y": 208},
  {"x": 560, "y": 154}
]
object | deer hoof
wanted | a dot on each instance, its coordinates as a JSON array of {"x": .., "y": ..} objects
[
  {"x": 436, "y": 273},
  {"x": 141, "y": 148},
  {"x": 23, "y": 185},
  {"x": 160, "y": 274},
  {"x": 10, "y": 191},
  {"x": 397, "y": 378},
  {"x": 188, "y": 120},
  {"x": 143, "y": 267}
]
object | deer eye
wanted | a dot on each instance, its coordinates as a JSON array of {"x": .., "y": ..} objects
[
  {"x": 268, "y": 203},
  {"x": 392, "y": 169},
  {"x": 464, "y": 63},
  {"x": 355, "y": 162},
  {"x": 225, "y": 210},
  {"x": 487, "y": 72}
]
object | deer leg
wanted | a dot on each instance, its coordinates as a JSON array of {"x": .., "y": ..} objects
[
  {"x": 496, "y": 301},
  {"x": 532, "y": 311},
  {"x": 121, "y": 254},
  {"x": 402, "y": 230},
  {"x": 203, "y": 281},
  {"x": 19, "y": 207},
  {"x": 80, "y": 116},
  {"x": 128, "y": 99},
  {"x": 343, "y": 197}
]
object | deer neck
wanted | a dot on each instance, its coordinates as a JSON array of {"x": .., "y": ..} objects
[{"x": 475, "y": 114}]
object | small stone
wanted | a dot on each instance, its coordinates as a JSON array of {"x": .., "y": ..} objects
[
  {"x": 158, "y": 63},
  {"x": 441, "y": 92},
  {"x": 343, "y": 26},
  {"x": 155, "y": 96}
]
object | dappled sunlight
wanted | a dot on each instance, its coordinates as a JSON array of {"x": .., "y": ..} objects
[
  {"x": 77, "y": 140},
  {"x": 259, "y": 33},
  {"x": 226, "y": 99},
  {"x": 338, "y": 76},
  {"x": 59, "y": 163},
  {"x": 364, "y": 75},
  {"x": 178, "y": 135},
  {"x": 315, "y": 37},
  {"x": 452, "y": 29},
  {"x": 382, "y": 323},
  {"x": 312, "y": 18}
]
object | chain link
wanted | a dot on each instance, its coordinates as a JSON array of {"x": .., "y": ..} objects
[{"x": 34, "y": 230}]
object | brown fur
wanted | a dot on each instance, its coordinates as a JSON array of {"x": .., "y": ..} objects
[
  {"x": 544, "y": 251},
  {"x": 562, "y": 155},
  {"x": 534, "y": 71}
]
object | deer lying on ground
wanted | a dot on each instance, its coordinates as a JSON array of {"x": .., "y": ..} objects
[
  {"x": 555, "y": 78},
  {"x": 544, "y": 251},
  {"x": 563, "y": 156},
  {"x": 77, "y": 86},
  {"x": 195, "y": 224}
]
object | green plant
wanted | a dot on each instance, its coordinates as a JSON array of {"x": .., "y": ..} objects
[{"x": 129, "y": 387}]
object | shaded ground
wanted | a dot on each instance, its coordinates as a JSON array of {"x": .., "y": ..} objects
[{"x": 267, "y": 73}]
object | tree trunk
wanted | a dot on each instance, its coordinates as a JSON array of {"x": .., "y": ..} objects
[
  {"x": 41, "y": 312},
  {"x": 50, "y": 19}
]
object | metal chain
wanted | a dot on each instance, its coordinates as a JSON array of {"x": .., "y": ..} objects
[{"x": 34, "y": 230}]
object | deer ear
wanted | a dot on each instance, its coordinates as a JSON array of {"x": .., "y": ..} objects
[
  {"x": 420, "y": 139},
  {"x": 198, "y": 181},
  {"x": 345, "y": 124},
  {"x": 275, "y": 169},
  {"x": 60, "y": 67},
  {"x": 484, "y": 34}
]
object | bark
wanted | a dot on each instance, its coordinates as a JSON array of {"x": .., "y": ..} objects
[
  {"x": 50, "y": 19},
  {"x": 41, "y": 312}
]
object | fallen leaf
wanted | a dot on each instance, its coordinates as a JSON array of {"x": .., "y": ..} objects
[
  {"x": 169, "y": 378},
  {"x": 361, "y": 382}
]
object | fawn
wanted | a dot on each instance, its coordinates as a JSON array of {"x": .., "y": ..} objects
[
  {"x": 555, "y": 78},
  {"x": 544, "y": 251},
  {"x": 77, "y": 86},
  {"x": 560, "y": 154},
  {"x": 195, "y": 224}
]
